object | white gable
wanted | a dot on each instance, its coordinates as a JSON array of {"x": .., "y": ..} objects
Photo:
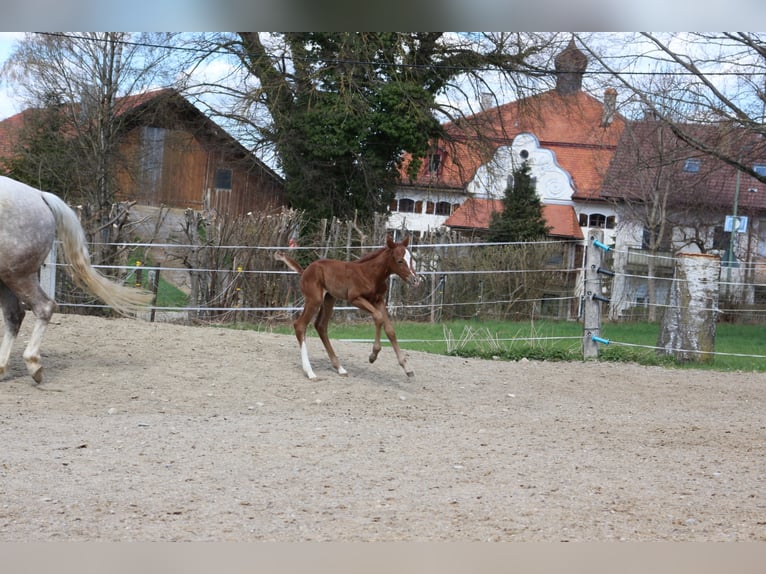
[{"x": 554, "y": 184}]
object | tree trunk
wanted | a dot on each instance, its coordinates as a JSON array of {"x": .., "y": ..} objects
[{"x": 688, "y": 325}]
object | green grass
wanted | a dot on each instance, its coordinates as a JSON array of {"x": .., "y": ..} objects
[
  {"x": 168, "y": 295},
  {"x": 556, "y": 341}
]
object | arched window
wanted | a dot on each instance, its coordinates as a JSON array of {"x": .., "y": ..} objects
[
  {"x": 443, "y": 208},
  {"x": 430, "y": 207},
  {"x": 597, "y": 220},
  {"x": 406, "y": 205}
]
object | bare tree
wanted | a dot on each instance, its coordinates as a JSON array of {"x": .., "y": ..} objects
[
  {"x": 82, "y": 78},
  {"x": 658, "y": 197},
  {"x": 721, "y": 81},
  {"x": 338, "y": 110}
]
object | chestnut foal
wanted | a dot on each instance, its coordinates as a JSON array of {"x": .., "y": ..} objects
[{"x": 363, "y": 283}]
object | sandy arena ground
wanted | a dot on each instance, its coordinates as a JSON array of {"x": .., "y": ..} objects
[{"x": 153, "y": 431}]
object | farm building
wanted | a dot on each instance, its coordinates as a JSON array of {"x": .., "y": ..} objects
[
  {"x": 595, "y": 169},
  {"x": 173, "y": 155},
  {"x": 567, "y": 136}
]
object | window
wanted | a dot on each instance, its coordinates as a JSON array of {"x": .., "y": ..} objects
[
  {"x": 760, "y": 169},
  {"x": 223, "y": 178},
  {"x": 430, "y": 207},
  {"x": 434, "y": 161},
  {"x": 443, "y": 208},
  {"x": 406, "y": 205},
  {"x": 692, "y": 165},
  {"x": 597, "y": 220}
]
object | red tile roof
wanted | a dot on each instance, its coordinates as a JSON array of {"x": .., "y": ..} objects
[
  {"x": 476, "y": 213},
  {"x": 9, "y": 130},
  {"x": 567, "y": 124},
  {"x": 649, "y": 154},
  {"x": 11, "y": 127}
]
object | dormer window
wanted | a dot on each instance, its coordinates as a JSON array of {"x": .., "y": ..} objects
[
  {"x": 760, "y": 169},
  {"x": 692, "y": 165},
  {"x": 434, "y": 162}
]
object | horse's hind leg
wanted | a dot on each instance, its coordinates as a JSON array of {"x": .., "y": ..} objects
[
  {"x": 13, "y": 315},
  {"x": 320, "y": 324},
  {"x": 29, "y": 291},
  {"x": 300, "y": 325}
]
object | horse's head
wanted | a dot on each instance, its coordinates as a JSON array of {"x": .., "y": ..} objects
[{"x": 401, "y": 261}]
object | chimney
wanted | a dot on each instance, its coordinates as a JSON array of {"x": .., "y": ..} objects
[
  {"x": 570, "y": 67},
  {"x": 610, "y": 107}
]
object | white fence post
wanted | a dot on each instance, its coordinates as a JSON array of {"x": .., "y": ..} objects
[{"x": 48, "y": 273}]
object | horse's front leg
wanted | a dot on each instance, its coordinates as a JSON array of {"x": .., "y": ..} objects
[
  {"x": 376, "y": 346},
  {"x": 382, "y": 319},
  {"x": 388, "y": 326}
]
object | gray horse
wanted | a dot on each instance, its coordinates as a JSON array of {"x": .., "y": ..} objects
[{"x": 29, "y": 222}]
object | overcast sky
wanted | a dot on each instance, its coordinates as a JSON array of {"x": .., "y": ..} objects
[{"x": 8, "y": 104}]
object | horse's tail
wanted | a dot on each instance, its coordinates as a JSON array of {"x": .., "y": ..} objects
[
  {"x": 291, "y": 263},
  {"x": 125, "y": 300}
]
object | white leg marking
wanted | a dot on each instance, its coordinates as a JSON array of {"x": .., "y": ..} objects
[
  {"x": 342, "y": 371},
  {"x": 305, "y": 360},
  {"x": 32, "y": 351}
]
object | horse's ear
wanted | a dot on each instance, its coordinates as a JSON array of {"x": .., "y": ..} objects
[
  {"x": 390, "y": 241},
  {"x": 406, "y": 241}
]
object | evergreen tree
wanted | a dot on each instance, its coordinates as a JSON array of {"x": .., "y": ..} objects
[{"x": 522, "y": 215}]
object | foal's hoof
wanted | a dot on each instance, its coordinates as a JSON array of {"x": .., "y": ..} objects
[
  {"x": 410, "y": 373},
  {"x": 373, "y": 357}
]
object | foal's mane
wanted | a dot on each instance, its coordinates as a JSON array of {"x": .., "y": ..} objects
[{"x": 372, "y": 255}]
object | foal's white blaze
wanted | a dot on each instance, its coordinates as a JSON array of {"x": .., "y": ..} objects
[
  {"x": 411, "y": 264},
  {"x": 305, "y": 360}
]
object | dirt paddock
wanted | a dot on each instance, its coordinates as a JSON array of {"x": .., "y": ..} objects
[{"x": 150, "y": 431}]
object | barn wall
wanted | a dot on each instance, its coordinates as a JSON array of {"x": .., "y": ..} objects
[{"x": 175, "y": 168}]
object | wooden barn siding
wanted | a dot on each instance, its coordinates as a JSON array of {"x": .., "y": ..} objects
[
  {"x": 184, "y": 166},
  {"x": 253, "y": 189},
  {"x": 187, "y": 171}
]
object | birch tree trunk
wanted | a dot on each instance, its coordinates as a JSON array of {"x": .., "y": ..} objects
[{"x": 688, "y": 325}]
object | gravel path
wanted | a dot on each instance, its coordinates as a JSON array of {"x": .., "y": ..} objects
[{"x": 152, "y": 431}]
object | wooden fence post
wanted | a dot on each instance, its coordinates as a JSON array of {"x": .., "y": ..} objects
[{"x": 592, "y": 298}]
